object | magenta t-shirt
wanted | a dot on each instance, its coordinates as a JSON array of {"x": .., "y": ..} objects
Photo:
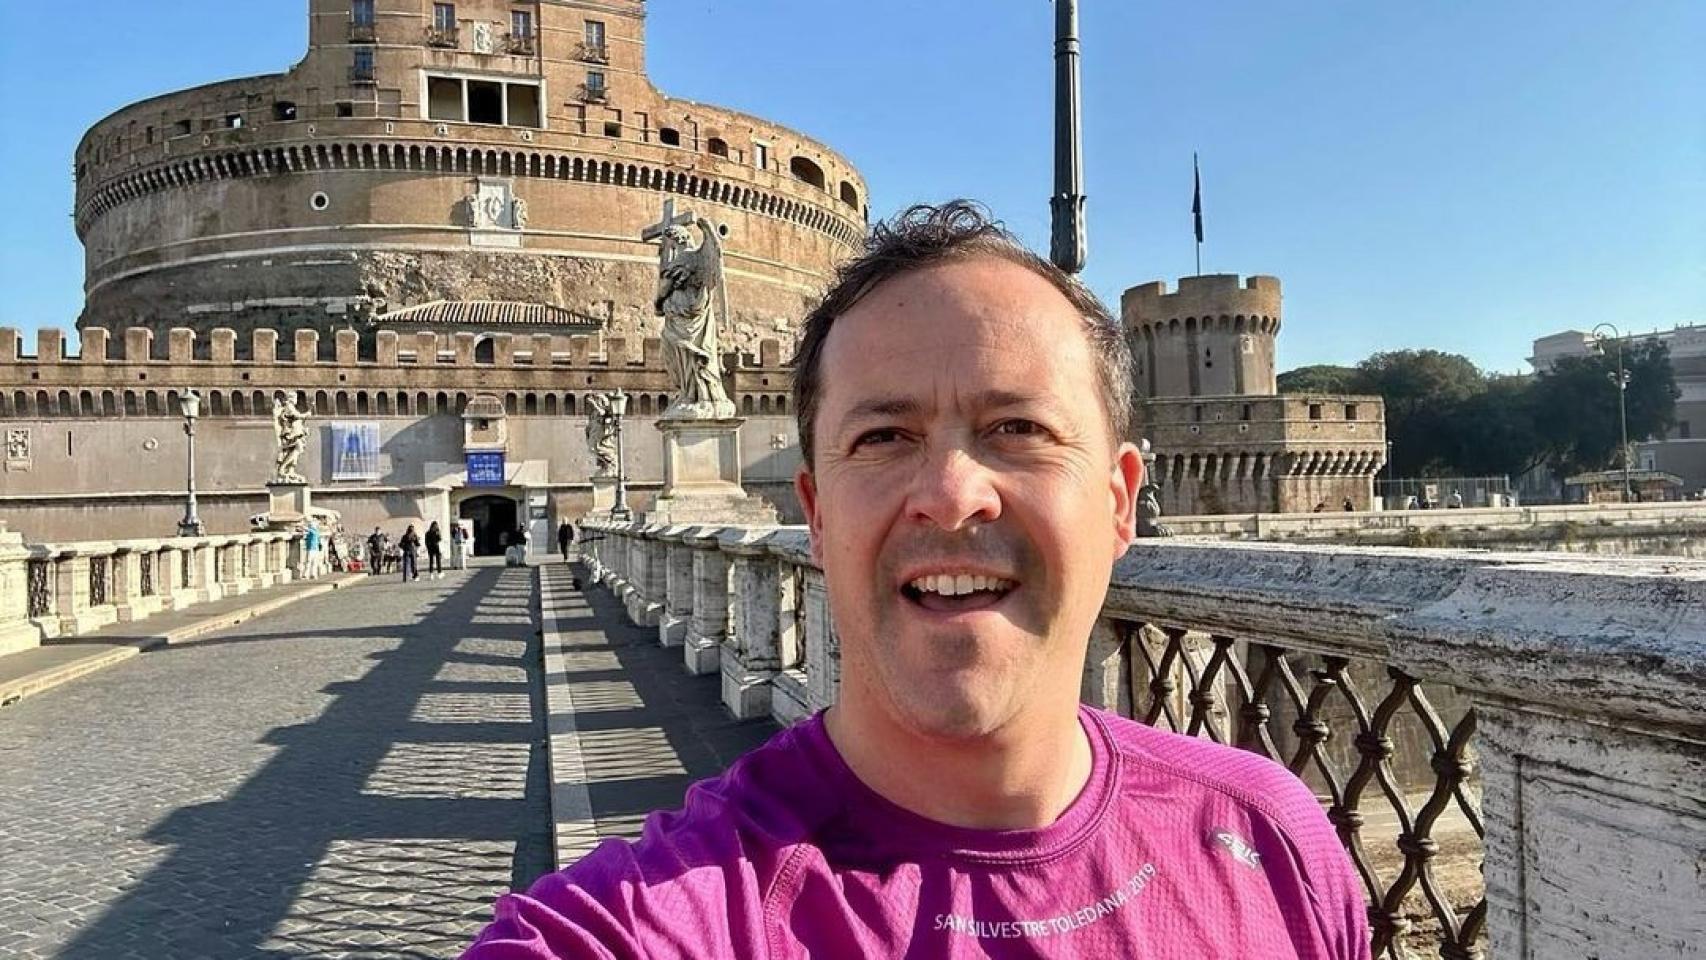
[{"x": 1176, "y": 848}]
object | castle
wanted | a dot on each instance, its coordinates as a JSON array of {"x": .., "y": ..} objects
[{"x": 1224, "y": 441}]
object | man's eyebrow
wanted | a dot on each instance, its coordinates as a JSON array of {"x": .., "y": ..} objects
[{"x": 876, "y": 408}]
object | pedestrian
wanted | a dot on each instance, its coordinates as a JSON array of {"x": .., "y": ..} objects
[
  {"x": 565, "y": 536},
  {"x": 310, "y": 551},
  {"x": 516, "y": 554},
  {"x": 458, "y": 545},
  {"x": 1454, "y": 501},
  {"x": 1349, "y": 506},
  {"x": 435, "y": 551},
  {"x": 966, "y": 492},
  {"x": 375, "y": 552},
  {"x": 406, "y": 548}
]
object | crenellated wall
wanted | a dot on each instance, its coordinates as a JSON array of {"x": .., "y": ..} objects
[{"x": 1214, "y": 336}]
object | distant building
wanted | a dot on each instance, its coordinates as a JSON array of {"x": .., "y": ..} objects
[
  {"x": 1683, "y": 451},
  {"x": 1206, "y": 399}
]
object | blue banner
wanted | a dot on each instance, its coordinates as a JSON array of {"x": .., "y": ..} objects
[
  {"x": 486, "y": 469},
  {"x": 355, "y": 449}
]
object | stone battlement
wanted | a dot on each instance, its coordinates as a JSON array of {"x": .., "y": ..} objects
[{"x": 1214, "y": 296}]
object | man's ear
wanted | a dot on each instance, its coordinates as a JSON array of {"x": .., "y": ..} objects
[
  {"x": 1124, "y": 480},
  {"x": 805, "y": 488}
]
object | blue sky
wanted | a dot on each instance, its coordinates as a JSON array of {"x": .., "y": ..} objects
[{"x": 1465, "y": 177}]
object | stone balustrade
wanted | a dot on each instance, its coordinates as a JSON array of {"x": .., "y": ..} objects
[
  {"x": 50, "y": 590},
  {"x": 1512, "y": 746}
]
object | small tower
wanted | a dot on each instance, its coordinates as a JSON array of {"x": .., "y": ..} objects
[{"x": 1212, "y": 338}]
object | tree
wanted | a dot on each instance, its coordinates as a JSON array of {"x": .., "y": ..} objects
[
  {"x": 1494, "y": 433},
  {"x": 1422, "y": 390},
  {"x": 1320, "y": 378},
  {"x": 1575, "y": 405}
]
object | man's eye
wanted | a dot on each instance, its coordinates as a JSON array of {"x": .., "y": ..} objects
[
  {"x": 1018, "y": 428},
  {"x": 870, "y": 437}
]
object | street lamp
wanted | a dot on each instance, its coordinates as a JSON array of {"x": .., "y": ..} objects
[
  {"x": 190, "y": 406},
  {"x": 1068, "y": 246},
  {"x": 1621, "y": 378},
  {"x": 618, "y": 409}
]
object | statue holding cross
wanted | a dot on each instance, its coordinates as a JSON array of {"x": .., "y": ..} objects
[{"x": 692, "y": 299}]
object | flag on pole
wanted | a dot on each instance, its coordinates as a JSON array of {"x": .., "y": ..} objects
[{"x": 1196, "y": 198}]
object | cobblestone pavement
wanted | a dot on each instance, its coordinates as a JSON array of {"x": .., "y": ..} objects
[{"x": 357, "y": 776}]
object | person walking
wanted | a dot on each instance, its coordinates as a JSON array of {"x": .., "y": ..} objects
[
  {"x": 311, "y": 551},
  {"x": 408, "y": 546},
  {"x": 435, "y": 551},
  {"x": 565, "y": 536},
  {"x": 375, "y": 551},
  {"x": 458, "y": 546}
]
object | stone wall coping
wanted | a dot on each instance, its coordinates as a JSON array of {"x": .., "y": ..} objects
[
  {"x": 96, "y": 548},
  {"x": 793, "y": 545},
  {"x": 745, "y": 541},
  {"x": 701, "y": 536},
  {"x": 674, "y": 532},
  {"x": 1603, "y": 637}
]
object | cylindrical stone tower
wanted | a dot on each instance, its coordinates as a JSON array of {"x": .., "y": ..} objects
[{"x": 1214, "y": 337}]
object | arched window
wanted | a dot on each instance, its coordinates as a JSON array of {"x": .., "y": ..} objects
[
  {"x": 86, "y": 404},
  {"x": 568, "y": 404},
  {"x": 717, "y": 147},
  {"x": 343, "y": 403},
  {"x": 65, "y": 407},
  {"x": 215, "y": 403},
  {"x": 746, "y": 405},
  {"x": 239, "y": 403},
  {"x": 849, "y": 195},
  {"x": 109, "y": 403},
  {"x": 423, "y": 405},
  {"x": 443, "y": 402},
  {"x": 550, "y": 404},
  {"x": 530, "y": 405},
  {"x": 645, "y": 404},
  {"x": 804, "y": 169},
  {"x": 485, "y": 350},
  {"x": 510, "y": 404},
  {"x": 322, "y": 402},
  {"x": 764, "y": 404},
  {"x": 669, "y": 136},
  {"x": 782, "y": 404},
  {"x": 361, "y": 403},
  {"x": 383, "y": 404},
  {"x": 152, "y": 400}
]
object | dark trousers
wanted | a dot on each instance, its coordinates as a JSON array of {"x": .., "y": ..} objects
[
  {"x": 435, "y": 561},
  {"x": 409, "y": 568}
]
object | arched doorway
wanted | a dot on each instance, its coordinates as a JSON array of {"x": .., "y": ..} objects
[{"x": 494, "y": 523}]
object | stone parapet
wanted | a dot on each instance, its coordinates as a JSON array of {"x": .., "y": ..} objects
[{"x": 1555, "y": 706}]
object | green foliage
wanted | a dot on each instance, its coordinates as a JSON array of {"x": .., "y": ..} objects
[
  {"x": 1444, "y": 416},
  {"x": 1320, "y": 378}
]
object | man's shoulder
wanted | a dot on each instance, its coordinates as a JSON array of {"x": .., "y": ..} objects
[{"x": 1240, "y": 776}]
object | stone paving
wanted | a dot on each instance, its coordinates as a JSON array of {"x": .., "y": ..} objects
[{"x": 357, "y": 776}]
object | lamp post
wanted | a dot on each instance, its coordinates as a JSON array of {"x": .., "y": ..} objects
[
  {"x": 618, "y": 409},
  {"x": 190, "y": 406},
  {"x": 1068, "y": 246},
  {"x": 1621, "y": 378}
]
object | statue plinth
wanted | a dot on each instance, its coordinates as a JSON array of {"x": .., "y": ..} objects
[
  {"x": 603, "y": 496},
  {"x": 287, "y": 503},
  {"x": 701, "y": 475}
]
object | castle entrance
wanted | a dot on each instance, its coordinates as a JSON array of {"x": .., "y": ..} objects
[{"x": 495, "y": 520}]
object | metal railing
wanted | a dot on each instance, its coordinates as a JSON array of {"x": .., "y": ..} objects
[
  {"x": 97, "y": 581},
  {"x": 40, "y": 589},
  {"x": 362, "y": 75},
  {"x": 145, "y": 573},
  {"x": 363, "y": 33},
  {"x": 596, "y": 93},
  {"x": 437, "y": 36},
  {"x": 592, "y": 52},
  {"x": 521, "y": 45}
]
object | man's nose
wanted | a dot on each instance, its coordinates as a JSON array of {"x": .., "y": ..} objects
[{"x": 953, "y": 490}]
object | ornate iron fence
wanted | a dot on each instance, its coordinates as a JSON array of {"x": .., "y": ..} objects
[
  {"x": 1347, "y": 720},
  {"x": 218, "y": 564},
  {"x": 184, "y": 567},
  {"x": 97, "y": 581},
  {"x": 145, "y": 574},
  {"x": 41, "y": 588}
]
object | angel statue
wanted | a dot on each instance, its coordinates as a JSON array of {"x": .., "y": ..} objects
[
  {"x": 692, "y": 300},
  {"x": 290, "y": 429},
  {"x": 601, "y": 434}
]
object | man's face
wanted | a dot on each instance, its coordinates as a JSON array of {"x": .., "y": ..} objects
[{"x": 967, "y": 502}]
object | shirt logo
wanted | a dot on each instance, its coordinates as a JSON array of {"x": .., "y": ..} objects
[{"x": 1239, "y": 848}]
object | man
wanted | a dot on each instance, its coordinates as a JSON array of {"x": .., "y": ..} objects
[
  {"x": 375, "y": 552},
  {"x": 565, "y": 536},
  {"x": 961, "y": 406}
]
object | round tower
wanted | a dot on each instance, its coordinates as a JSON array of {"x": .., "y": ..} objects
[
  {"x": 428, "y": 154},
  {"x": 1213, "y": 337}
]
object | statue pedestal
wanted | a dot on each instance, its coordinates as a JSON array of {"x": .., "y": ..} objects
[
  {"x": 701, "y": 476},
  {"x": 603, "y": 496},
  {"x": 287, "y": 504}
]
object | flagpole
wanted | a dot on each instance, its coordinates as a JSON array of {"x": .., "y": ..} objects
[{"x": 1196, "y": 207}]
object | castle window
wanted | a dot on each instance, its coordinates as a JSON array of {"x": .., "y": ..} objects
[
  {"x": 346, "y": 109},
  {"x": 594, "y": 37},
  {"x": 485, "y": 351},
  {"x": 233, "y": 121},
  {"x": 669, "y": 136},
  {"x": 182, "y": 128},
  {"x": 485, "y": 102},
  {"x": 1315, "y": 411},
  {"x": 804, "y": 169},
  {"x": 612, "y": 128},
  {"x": 1350, "y": 411},
  {"x": 361, "y": 67},
  {"x": 596, "y": 88},
  {"x": 1244, "y": 414},
  {"x": 1196, "y": 413},
  {"x": 761, "y": 154},
  {"x": 361, "y": 13},
  {"x": 522, "y": 104},
  {"x": 282, "y": 110},
  {"x": 521, "y": 24},
  {"x": 444, "y": 98},
  {"x": 150, "y": 136},
  {"x": 849, "y": 195},
  {"x": 717, "y": 147},
  {"x": 444, "y": 16}
]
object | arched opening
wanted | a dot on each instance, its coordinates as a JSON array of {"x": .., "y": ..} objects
[
  {"x": 423, "y": 404},
  {"x": 239, "y": 403},
  {"x": 109, "y": 404},
  {"x": 718, "y": 147},
  {"x": 384, "y": 404},
  {"x": 804, "y": 169},
  {"x": 849, "y": 195},
  {"x": 443, "y": 405},
  {"x": 86, "y": 404},
  {"x": 322, "y": 402},
  {"x": 361, "y": 407},
  {"x": 215, "y": 403},
  {"x": 782, "y": 404},
  {"x": 530, "y": 405},
  {"x": 550, "y": 404},
  {"x": 764, "y": 404},
  {"x": 65, "y": 407},
  {"x": 669, "y": 136},
  {"x": 485, "y": 350},
  {"x": 746, "y": 405},
  {"x": 343, "y": 403},
  {"x": 152, "y": 401},
  {"x": 645, "y": 404},
  {"x": 510, "y": 404},
  {"x": 569, "y": 404}
]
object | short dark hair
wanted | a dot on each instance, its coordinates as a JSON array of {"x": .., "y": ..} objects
[{"x": 924, "y": 236}]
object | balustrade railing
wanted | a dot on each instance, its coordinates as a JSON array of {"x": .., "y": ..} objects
[
  {"x": 66, "y": 589},
  {"x": 1433, "y": 700}
]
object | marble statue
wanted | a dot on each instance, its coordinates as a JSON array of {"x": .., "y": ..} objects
[
  {"x": 290, "y": 430},
  {"x": 692, "y": 300},
  {"x": 1149, "y": 512},
  {"x": 601, "y": 434}
]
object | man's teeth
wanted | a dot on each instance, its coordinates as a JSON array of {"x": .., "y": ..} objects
[{"x": 952, "y": 585}]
